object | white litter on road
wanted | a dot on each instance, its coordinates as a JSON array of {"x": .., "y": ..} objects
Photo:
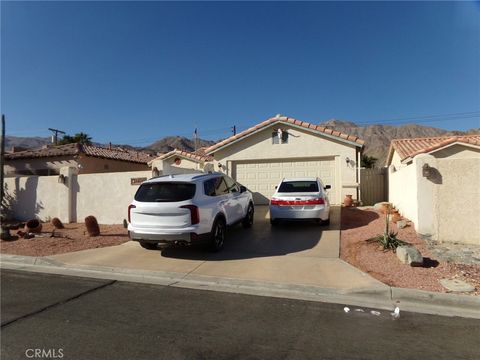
[
  {"x": 396, "y": 313},
  {"x": 376, "y": 313},
  {"x": 346, "y": 309}
]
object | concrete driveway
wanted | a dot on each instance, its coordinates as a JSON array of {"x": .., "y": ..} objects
[{"x": 295, "y": 253}]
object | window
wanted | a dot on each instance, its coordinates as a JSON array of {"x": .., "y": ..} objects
[
  {"x": 280, "y": 137},
  {"x": 231, "y": 184},
  {"x": 165, "y": 192},
  {"x": 298, "y": 186},
  {"x": 215, "y": 187}
]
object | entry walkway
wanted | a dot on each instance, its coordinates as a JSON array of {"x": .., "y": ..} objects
[{"x": 296, "y": 254}]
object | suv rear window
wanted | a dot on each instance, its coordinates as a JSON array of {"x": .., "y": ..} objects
[
  {"x": 298, "y": 186},
  {"x": 165, "y": 192}
]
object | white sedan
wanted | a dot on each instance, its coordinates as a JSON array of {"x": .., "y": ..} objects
[{"x": 300, "y": 199}]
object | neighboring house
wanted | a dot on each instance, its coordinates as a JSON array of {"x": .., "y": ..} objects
[
  {"x": 180, "y": 162},
  {"x": 261, "y": 156},
  {"x": 435, "y": 183},
  {"x": 87, "y": 159}
]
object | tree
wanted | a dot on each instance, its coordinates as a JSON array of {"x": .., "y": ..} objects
[
  {"x": 81, "y": 138},
  {"x": 368, "y": 161}
]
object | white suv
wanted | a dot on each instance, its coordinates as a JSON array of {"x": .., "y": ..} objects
[{"x": 188, "y": 208}]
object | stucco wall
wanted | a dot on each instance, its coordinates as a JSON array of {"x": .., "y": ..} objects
[
  {"x": 186, "y": 166},
  {"x": 402, "y": 191},
  {"x": 443, "y": 202},
  {"x": 458, "y": 201},
  {"x": 36, "y": 197},
  {"x": 105, "y": 196},
  {"x": 301, "y": 144},
  {"x": 90, "y": 165},
  {"x": 31, "y": 166}
]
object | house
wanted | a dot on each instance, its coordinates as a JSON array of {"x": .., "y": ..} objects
[
  {"x": 88, "y": 159},
  {"x": 435, "y": 183},
  {"x": 180, "y": 162},
  {"x": 279, "y": 147}
]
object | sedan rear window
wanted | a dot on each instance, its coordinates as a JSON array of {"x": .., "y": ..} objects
[
  {"x": 165, "y": 192},
  {"x": 298, "y": 186}
]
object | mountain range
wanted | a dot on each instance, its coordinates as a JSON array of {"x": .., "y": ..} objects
[{"x": 377, "y": 138}]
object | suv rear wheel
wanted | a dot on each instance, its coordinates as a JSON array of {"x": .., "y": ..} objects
[
  {"x": 248, "y": 220},
  {"x": 148, "y": 245},
  {"x": 218, "y": 235}
]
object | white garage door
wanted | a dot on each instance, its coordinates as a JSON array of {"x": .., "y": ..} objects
[{"x": 261, "y": 177}]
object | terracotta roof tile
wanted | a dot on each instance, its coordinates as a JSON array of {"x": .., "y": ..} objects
[
  {"x": 89, "y": 150},
  {"x": 186, "y": 154},
  {"x": 408, "y": 148}
]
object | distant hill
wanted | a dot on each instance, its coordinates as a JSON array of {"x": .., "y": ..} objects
[
  {"x": 169, "y": 143},
  {"x": 25, "y": 142},
  {"x": 377, "y": 137}
]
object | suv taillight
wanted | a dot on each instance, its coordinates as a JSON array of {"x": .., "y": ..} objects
[
  {"x": 194, "y": 213},
  {"x": 130, "y": 207}
]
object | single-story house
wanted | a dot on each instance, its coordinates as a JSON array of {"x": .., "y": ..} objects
[
  {"x": 88, "y": 159},
  {"x": 435, "y": 183},
  {"x": 279, "y": 147},
  {"x": 180, "y": 162}
]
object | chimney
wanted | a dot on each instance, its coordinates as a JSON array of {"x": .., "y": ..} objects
[{"x": 110, "y": 145}]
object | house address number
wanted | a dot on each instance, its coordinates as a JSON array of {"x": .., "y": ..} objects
[{"x": 137, "y": 181}]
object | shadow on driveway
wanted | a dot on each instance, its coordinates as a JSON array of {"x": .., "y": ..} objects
[
  {"x": 262, "y": 240},
  {"x": 353, "y": 217}
]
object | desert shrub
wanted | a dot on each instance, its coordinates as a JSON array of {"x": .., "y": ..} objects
[{"x": 388, "y": 239}]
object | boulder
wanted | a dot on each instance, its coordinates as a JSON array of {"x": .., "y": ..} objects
[
  {"x": 410, "y": 255},
  {"x": 402, "y": 224}
]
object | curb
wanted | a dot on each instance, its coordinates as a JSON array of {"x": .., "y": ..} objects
[{"x": 381, "y": 297}]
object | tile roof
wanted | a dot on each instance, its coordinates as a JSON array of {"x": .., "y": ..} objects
[
  {"x": 408, "y": 148},
  {"x": 192, "y": 156},
  {"x": 89, "y": 150},
  {"x": 291, "y": 121}
]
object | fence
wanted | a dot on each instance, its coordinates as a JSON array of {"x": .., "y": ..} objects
[
  {"x": 373, "y": 185},
  {"x": 105, "y": 196}
]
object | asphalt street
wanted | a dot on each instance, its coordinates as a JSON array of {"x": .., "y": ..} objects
[{"x": 59, "y": 317}]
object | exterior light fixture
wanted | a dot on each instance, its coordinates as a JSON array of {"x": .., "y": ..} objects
[
  {"x": 62, "y": 179},
  {"x": 426, "y": 171}
]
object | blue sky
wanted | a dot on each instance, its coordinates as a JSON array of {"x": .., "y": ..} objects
[{"x": 131, "y": 72}]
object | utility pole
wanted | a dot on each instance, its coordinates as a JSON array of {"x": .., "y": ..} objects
[
  {"x": 55, "y": 135},
  {"x": 2, "y": 161},
  {"x": 195, "y": 137},
  {"x": 234, "y": 130}
]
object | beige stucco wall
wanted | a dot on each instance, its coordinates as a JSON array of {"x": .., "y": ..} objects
[
  {"x": 19, "y": 166},
  {"x": 85, "y": 165},
  {"x": 186, "y": 166},
  {"x": 445, "y": 205},
  {"x": 90, "y": 165},
  {"x": 402, "y": 190},
  {"x": 301, "y": 144},
  {"x": 458, "y": 201},
  {"x": 39, "y": 197},
  {"x": 396, "y": 161},
  {"x": 105, "y": 196}
]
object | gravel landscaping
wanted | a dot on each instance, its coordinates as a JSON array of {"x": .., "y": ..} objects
[
  {"x": 361, "y": 224},
  {"x": 73, "y": 237}
]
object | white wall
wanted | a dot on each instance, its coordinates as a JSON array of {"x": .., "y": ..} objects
[
  {"x": 402, "y": 191},
  {"x": 105, "y": 196}
]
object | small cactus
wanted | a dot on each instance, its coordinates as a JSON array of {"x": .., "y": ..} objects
[
  {"x": 92, "y": 226},
  {"x": 57, "y": 223}
]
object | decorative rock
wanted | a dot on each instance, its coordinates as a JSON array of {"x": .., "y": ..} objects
[
  {"x": 455, "y": 285},
  {"x": 401, "y": 224},
  {"x": 409, "y": 255}
]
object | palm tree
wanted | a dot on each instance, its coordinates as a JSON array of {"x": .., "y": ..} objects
[
  {"x": 368, "y": 161},
  {"x": 80, "y": 138}
]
